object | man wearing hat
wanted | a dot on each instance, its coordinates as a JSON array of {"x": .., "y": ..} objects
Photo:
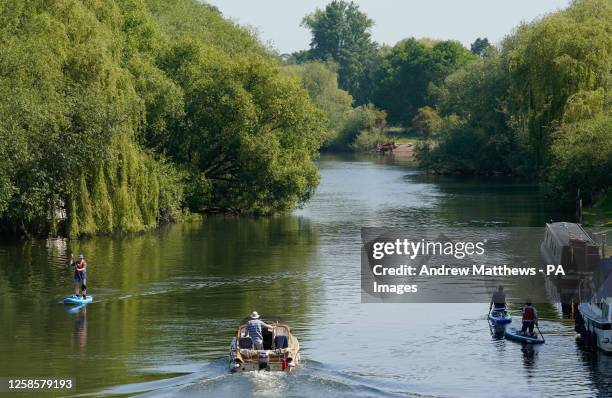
[
  {"x": 80, "y": 275},
  {"x": 254, "y": 328}
]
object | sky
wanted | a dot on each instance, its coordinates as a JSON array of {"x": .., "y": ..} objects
[{"x": 278, "y": 21}]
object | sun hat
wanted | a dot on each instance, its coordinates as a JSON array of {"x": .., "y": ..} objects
[{"x": 254, "y": 315}]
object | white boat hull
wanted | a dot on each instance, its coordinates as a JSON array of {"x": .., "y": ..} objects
[{"x": 597, "y": 330}]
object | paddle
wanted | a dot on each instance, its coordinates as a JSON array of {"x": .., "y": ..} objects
[{"x": 543, "y": 339}]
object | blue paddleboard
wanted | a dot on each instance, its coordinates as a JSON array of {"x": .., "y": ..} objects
[
  {"x": 513, "y": 334},
  {"x": 78, "y": 300},
  {"x": 500, "y": 317}
]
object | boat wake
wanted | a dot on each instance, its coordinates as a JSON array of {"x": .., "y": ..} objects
[{"x": 311, "y": 379}]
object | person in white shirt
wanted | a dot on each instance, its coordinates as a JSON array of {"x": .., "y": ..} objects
[{"x": 254, "y": 327}]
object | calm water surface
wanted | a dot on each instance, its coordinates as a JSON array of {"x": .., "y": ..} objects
[{"x": 167, "y": 302}]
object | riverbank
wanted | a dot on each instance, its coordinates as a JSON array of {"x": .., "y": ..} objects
[{"x": 599, "y": 216}]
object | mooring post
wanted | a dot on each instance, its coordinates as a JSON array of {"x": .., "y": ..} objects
[{"x": 578, "y": 207}]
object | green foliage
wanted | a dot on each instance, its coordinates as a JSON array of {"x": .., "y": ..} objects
[
  {"x": 102, "y": 205},
  {"x": 321, "y": 82},
  {"x": 242, "y": 118},
  {"x": 368, "y": 139},
  {"x": 582, "y": 154},
  {"x": 551, "y": 60},
  {"x": 409, "y": 70},
  {"x": 199, "y": 194},
  {"x": 84, "y": 210},
  {"x": 341, "y": 33},
  {"x": 463, "y": 148},
  {"x": 364, "y": 123},
  {"x": 539, "y": 106},
  {"x": 108, "y": 108},
  {"x": 584, "y": 105},
  {"x": 426, "y": 121},
  {"x": 481, "y": 47},
  {"x": 473, "y": 98}
]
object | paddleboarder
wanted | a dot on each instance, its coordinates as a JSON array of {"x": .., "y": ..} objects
[
  {"x": 498, "y": 299},
  {"x": 80, "y": 275},
  {"x": 530, "y": 318}
]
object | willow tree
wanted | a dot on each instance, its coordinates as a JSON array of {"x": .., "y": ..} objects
[
  {"x": 548, "y": 61},
  {"x": 112, "y": 112}
]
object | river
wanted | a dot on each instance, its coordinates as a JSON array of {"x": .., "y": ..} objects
[{"x": 167, "y": 302}]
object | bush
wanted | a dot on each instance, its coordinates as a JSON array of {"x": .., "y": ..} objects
[
  {"x": 426, "y": 121},
  {"x": 368, "y": 139},
  {"x": 582, "y": 154},
  {"x": 365, "y": 120}
]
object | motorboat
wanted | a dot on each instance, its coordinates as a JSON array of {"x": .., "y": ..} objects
[
  {"x": 281, "y": 349},
  {"x": 594, "y": 318}
]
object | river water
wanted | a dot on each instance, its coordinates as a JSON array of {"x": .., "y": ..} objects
[{"x": 167, "y": 302}]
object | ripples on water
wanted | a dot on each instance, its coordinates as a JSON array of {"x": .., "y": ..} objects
[{"x": 168, "y": 302}]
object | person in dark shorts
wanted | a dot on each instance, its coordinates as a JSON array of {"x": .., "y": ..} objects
[
  {"x": 498, "y": 299},
  {"x": 530, "y": 319},
  {"x": 80, "y": 276}
]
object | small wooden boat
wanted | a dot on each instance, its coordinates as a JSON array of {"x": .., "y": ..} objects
[
  {"x": 499, "y": 316},
  {"x": 280, "y": 353},
  {"x": 516, "y": 335}
]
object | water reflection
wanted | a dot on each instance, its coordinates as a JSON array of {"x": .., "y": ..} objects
[
  {"x": 167, "y": 302},
  {"x": 530, "y": 354},
  {"x": 599, "y": 366},
  {"x": 160, "y": 297},
  {"x": 497, "y": 330},
  {"x": 79, "y": 332}
]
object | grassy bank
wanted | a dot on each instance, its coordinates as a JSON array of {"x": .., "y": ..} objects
[{"x": 600, "y": 214}]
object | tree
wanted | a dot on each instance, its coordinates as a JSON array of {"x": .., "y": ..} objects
[
  {"x": 540, "y": 106},
  {"x": 362, "y": 129},
  {"x": 475, "y": 136},
  {"x": 117, "y": 115},
  {"x": 481, "y": 47},
  {"x": 341, "y": 32},
  {"x": 426, "y": 121},
  {"x": 549, "y": 61},
  {"x": 409, "y": 71},
  {"x": 321, "y": 82},
  {"x": 582, "y": 156}
]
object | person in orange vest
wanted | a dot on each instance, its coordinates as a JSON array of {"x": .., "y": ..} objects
[
  {"x": 80, "y": 275},
  {"x": 530, "y": 318}
]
